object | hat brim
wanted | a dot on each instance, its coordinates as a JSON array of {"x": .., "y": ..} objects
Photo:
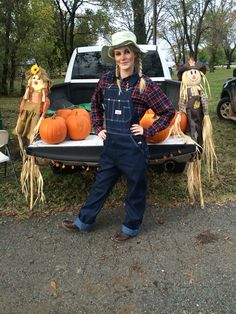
[
  {"x": 107, "y": 51},
  {"x": 186, "y": 67}
]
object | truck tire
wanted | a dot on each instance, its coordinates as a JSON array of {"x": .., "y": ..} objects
[{"x": 224, "y": 108}]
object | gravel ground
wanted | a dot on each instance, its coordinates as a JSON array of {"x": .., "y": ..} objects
[{"x": 183, "y": 261}]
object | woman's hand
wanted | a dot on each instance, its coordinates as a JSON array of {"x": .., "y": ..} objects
[
  {"x": 102, "y": 135},
  {"x": 136, "y": 129}
]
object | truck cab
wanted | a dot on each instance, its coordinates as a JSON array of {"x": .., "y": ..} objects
[{"x": 86, "y": 67}]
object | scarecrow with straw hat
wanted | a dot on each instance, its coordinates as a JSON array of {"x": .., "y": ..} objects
[
  {"x": 193, "y": 100},
  {"x": 32, "y": 110}
]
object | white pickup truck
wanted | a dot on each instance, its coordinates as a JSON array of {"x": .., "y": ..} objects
[{"x": 83, "y": 72}]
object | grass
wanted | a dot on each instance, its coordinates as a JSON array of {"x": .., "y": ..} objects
[{"x": 166, "y": 190}]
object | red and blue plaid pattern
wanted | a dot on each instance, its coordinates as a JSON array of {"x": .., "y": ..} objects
[{"x": 153, "y": 97}]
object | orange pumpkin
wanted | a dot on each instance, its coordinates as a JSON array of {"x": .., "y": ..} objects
[
  {"x": 78, "y": 125},
  {"x": 81, "y": 112},
  {"x": 150, "y": 111},
  {"x": 146, "y": 121},
  {"x": 64, "y": 113},
  {"x": 183, "y": 121},
  {"x": 53, "y": 130}
]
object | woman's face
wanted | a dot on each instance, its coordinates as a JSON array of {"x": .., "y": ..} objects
[{"x": 124, "y": 58}]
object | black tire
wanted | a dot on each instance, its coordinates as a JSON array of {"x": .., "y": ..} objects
[
  {"x": 223, "y": 108},
  {"x": 175, "y": 167}
]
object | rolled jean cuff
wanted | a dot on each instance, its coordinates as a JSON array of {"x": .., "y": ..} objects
[
  {"x": 81, "y": 225},
  {"x": 130, "y": 232}
]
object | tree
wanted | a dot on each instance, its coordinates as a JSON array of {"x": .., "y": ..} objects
[
  {"x": 6, "y": 11},
  {"x": 220, "y": 32},
  {"x": 136, "y": 16},
  {"x": 171, "y": 30},
  {"x": 67, "y": 11},
  {"x": 229, "y": 40},
  {"x": 80, "y": 25},
  {"x": 16, "y": 23},
  {"x": 193, "y": 23},
  {"x": 184, "y": 26},
  {"x": 139, "y": 18},
  {"x": 28, "y": 28}
]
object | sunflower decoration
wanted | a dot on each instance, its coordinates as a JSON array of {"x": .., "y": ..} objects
[{"x": 34, "y": 69}]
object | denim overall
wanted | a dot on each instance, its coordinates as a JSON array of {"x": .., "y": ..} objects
[{"x": 123, "y": 153}]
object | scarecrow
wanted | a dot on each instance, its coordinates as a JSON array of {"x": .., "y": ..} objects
[
  {"x": 194, "y": 92},
  {"x": 34, "y": 104},
  {"x": 32, "y": 110}
]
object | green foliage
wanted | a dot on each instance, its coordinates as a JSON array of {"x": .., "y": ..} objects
[
  {"x": 31, "y": 34},
  {"x": 41, "y": 40},
  {"x": 89, "y": 27},
  {"x": 204, "y": 55}
]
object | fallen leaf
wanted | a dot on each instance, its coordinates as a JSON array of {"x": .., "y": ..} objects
[
  {"x": 53, "y": 284},
  {"x": 206, "y": 237},
  {"x": 189, "y": 275}
]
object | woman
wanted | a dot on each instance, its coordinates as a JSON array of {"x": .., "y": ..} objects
[{"x": 119, "y": 102}]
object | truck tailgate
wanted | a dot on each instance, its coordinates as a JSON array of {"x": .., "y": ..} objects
[{"x": 88, "y": 151}]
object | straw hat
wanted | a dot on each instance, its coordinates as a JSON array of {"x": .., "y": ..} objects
[{"x": 120, "y": 39}]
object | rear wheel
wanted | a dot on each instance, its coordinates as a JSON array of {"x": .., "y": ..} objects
[
  {"x": 170, "y": 166},
  {"x": 224, "y": 108}
]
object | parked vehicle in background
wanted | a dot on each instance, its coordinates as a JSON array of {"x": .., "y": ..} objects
[{"x": 226, "y": 108}]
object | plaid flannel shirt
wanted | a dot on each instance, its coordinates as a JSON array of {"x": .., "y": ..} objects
[{"x": 152, "y": 97}]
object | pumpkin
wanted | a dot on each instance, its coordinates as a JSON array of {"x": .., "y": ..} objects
[
  {"x": 78, "y": 125},
  {"x": 146, "y": 121},
  {"x": 53, "y": 130},
  {"x": 81, "y": 112},
  {"x": 64, "y": 113},
  {"x": 183, "y": 121},
  {"x": 150, "y": 111}
]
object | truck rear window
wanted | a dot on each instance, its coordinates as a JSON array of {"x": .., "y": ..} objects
[{"x": 88, "y": 65}]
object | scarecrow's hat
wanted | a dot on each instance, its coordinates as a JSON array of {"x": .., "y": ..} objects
[{"x": 191, "y": 65}]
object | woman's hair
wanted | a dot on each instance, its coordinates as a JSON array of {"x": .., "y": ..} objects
[{"x": 138, "y": 60}]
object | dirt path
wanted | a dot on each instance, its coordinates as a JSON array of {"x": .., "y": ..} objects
[{"x": 182, "y": 262}]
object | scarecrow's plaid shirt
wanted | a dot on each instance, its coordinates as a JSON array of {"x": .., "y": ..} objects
[{"x": 152, "y": 97}]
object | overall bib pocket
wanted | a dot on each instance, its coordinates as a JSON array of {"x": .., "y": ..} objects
[{"x": 117, "y": 110}]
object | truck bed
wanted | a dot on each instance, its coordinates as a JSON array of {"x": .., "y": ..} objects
[{"x": 87, "y": 152}]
